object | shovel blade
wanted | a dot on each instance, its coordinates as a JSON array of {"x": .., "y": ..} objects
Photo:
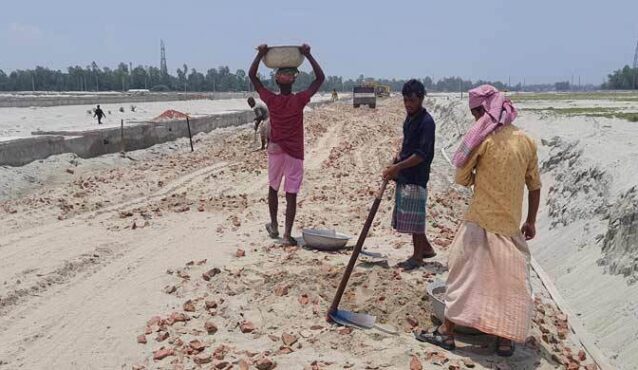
[
  {"x": 373, "y": 254},
  {"x": 354, "y": 319}
]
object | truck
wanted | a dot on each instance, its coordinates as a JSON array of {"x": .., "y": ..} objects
[
  {"x": 364, "y": 95},
  {"x": 383, "y": 91}
]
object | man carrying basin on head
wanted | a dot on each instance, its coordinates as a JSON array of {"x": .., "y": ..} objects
[
  {"x": 411, "y": 170},
  {"x": 286, "y": 147}
]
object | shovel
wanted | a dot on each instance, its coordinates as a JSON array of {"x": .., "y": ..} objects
[{"x": 347, "y": 318}]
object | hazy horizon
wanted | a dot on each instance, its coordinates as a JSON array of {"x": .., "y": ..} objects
[{"x": 540, "y": 42}]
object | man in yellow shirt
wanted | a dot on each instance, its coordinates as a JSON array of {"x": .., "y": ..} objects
[{"x": 488, "y": 285}]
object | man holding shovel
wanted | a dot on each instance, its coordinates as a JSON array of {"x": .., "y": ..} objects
[
  {"x": 411, "y": 170},
  {"x": 286, "y": 147}
]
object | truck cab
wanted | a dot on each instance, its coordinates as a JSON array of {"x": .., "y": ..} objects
[{"x": 364, "y": 95}]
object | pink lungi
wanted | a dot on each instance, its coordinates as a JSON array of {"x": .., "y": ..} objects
[{"x": 282, "y": 165}]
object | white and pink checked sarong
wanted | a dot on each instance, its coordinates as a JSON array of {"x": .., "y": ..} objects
[{"x": 488, "y": 286}]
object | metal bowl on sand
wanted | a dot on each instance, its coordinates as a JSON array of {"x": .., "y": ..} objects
[
  {"x": 436, "y": 292},
  {"x": 325, "y": 239}
]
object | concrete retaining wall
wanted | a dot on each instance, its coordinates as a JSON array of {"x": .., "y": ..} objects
[
  {"x": 48, "y": 100},
  {"x": 93, "y": 143},
  {"x": 87, "y": 144}
]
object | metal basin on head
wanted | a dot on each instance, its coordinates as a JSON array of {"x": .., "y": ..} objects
[{"x": 283, "y": 56}]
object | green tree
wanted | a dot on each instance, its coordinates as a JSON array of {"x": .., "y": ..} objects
[{"x": 622, "y": 79}]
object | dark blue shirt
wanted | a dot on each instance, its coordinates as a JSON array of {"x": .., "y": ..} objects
[{"x": 418, "y": 138}]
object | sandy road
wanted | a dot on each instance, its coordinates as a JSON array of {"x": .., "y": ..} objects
[
  {"x": 83, "y": 265},
  {"x": 73, "y": 288}
]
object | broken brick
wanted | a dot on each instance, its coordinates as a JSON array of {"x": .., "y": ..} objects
[
  {"x": 163, "y": 353},
  {"x": 161, "y": 336},
  {"x": 210, "y": 327},
  {"x": 247, "y": 327},
  {"x": 210, "y": 273},
  {"x": 197, "y": 345},
  {"x": 344, "y": 330},
  {"x": 582, "y": 356},
  {"x": 289, "y": 339},
  {"x": 244, "y": 364},
  {"x": 202, "y": 359},
  {"x": 415, "y": 363},
  {"x": 265, "y": 364},
  {"x": 210, "y": 304},
  {"x": 281, "y": 290},
  {"x": 189, "y": 306}
]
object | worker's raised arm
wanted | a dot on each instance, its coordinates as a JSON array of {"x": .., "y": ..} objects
[
  {"x": 319, "y": 76},
  {"x": 252, "y": 72}
]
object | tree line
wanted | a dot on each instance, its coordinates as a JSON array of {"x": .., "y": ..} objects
[
  {"x": 622, "y": 79},
  {"x": 126, "y": 77}
]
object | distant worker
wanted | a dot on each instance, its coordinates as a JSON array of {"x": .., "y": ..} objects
[
  {"x": 335, "y": 96},
  {"x": 286, "y": 147},
  {"x": 99, "y": 113},
  {"x": 262, "y": 124}
]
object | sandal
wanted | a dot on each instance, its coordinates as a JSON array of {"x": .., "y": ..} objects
[
  {"x": 409, "y": 265},
  {"x": 444, "y": 341},
  {"x": 508, "y": 352},
  {"x": 274, "y": 234}
]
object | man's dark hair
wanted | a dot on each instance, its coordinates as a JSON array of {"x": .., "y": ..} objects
[{"x": 413, "y": 87}]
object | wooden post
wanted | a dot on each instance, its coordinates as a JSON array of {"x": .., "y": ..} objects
[
  {"x": 190, "y": 137},
  {"x": 122, "y": 146}
]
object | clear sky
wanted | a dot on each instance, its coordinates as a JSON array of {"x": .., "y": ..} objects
[{"x": 539, "y": 41}]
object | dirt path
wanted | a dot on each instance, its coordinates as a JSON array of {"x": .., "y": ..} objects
[{"x": 85, "y": 264}]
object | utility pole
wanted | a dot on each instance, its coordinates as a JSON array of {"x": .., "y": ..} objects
[
  {"x": 163, "y": 67},
  {"x": 636, "y": 66}
]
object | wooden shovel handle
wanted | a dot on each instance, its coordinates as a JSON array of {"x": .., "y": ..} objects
[{"x": 357, "y": 249}]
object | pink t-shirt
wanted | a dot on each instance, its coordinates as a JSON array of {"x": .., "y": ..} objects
[{"x": 286, "y": 119}]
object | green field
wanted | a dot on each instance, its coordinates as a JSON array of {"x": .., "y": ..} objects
[
  {"x": 598, "y": 95},
  {"x": 589, "y": 112}
]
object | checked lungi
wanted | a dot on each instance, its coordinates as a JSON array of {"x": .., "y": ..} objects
[{"x": 409, "y": 209}]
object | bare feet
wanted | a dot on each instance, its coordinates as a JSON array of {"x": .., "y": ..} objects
[
  {"x": 289, "y": 241},
  {"x": 272, "y": 231}
]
